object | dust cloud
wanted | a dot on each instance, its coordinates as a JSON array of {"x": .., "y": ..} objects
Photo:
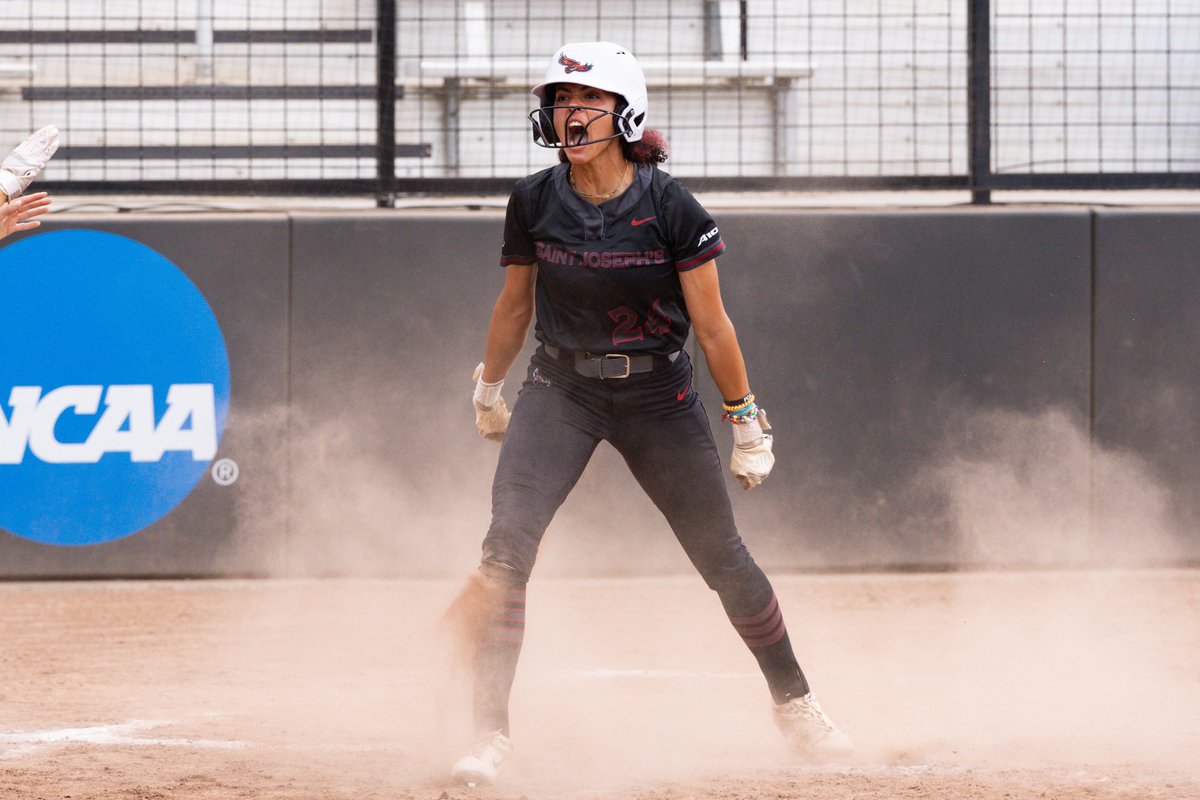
[
  {"x": 1031, "y": 489},
  {"x": 1031, "y": 678},
  {"x": 992, "y": 488},
  {"x": 342, "y": 501},
  {"x": 1047, "y": 677}
]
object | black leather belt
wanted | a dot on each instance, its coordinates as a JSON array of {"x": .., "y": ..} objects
[{"x": 608, "y": 366}]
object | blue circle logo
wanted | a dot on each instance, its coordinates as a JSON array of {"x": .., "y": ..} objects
[{"x": 114, "y": 387}]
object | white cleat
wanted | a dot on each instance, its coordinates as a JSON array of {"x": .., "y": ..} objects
[
  {"x": 481, "y": 765},
  {"x": 809, "y": 731}
]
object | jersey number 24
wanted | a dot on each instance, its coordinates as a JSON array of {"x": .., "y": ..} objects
[{"x": 629, "y": 325}]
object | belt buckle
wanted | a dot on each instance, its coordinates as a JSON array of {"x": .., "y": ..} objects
[{"x": 609, "y": 357}]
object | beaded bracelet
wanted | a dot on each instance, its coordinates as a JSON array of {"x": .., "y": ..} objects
[
  {"x": 743, "y": 416},
  {"x": 738, "y": 405}
]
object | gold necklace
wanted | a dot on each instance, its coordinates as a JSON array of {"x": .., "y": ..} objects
[{"x": 603, "y": 195}]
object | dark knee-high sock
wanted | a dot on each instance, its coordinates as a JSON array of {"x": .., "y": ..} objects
[
  {"x": 757, "y": 617},
  {"x": 498, "y": 648}
]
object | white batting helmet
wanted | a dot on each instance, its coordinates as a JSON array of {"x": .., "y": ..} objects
[{"x": 602, "y": 65}]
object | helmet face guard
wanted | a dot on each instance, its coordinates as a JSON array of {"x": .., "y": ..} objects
[
  {"x": 545, "y": 135},
  {"x": 601, "y": 65}
]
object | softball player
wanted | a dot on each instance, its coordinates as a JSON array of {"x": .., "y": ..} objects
[
  {"x": 619, "y": 261},
  {"x": 17, "y": 171}
]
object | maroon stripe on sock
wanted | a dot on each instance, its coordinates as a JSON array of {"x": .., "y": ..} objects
[
  {"x": 509, "y": 615},
  {"x": 764, "y": 628},
  {"x": 507, "y": 619},
  {"x": 767, "y": 639},
  {"x": 761, "y": 630},
  {"x": 757, "y": 619}
]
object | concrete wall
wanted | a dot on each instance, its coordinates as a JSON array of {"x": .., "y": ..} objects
[{"x": 934, "y": 379}]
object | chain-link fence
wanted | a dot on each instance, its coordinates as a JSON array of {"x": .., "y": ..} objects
[
  {"x": 1096, "y": 86},
  {"x": 147, "y": 90},
  {"x": 391, "y": 96}
]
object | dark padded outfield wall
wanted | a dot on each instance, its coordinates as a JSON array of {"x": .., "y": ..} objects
[
  {"x": 389, "y": 314},
  {"x": 240, "y": 267},
  {"x": 929, "y": 375},
  {"x": 884, "y": 345},
  {"x": 909, "y": 360},
  {"x": 1148, "y": 369}
]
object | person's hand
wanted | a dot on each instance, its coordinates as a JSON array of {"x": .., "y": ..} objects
[
  {"x": 491, "y": 414},
  {"x": 752, "y": 457},
  {"x": 27, "y": 161},
  {"x": 18, "y": 214}
]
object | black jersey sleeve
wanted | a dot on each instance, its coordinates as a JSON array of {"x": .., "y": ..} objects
[
  {"x": 695, "y": 238},
  {"x": 518, "y": 244}
]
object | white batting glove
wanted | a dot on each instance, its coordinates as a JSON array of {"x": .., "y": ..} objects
[
  {"x": 491, "y": 414},
  {"x": 752, "y": 457},
  {"x": 27, "y": 161}
]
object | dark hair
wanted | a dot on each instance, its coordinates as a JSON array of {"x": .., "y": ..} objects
[{"x": 651, "y": 149}]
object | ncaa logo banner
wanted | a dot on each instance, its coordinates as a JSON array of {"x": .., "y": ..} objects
[{"x": 114, "y": 387}]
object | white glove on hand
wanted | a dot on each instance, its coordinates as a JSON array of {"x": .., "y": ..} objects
[
  {"x": 752, "y": 458},
  {"x": 27, "y": 161},
  {"x": 491, "y": 414}
]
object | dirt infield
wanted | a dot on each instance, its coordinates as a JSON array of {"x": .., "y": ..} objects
[{"x": 981, "y": 685}]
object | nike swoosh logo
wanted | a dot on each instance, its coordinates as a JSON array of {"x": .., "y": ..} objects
[
  {"x": 684, "y": 393},
  {"x": 637, "y": 222}
]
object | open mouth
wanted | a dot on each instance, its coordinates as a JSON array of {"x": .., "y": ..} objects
[{"x": 576, "y": 133}]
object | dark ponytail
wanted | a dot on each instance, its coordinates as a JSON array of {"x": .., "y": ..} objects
[{"x": 650, "y": 149}]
